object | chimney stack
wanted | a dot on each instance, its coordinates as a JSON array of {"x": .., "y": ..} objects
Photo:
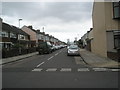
[
  {"x": 38, "y": 30},
  {"x": 30, "y": 27}
]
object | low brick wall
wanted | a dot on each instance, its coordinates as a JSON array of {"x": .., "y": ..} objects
[{"x": 15, "y": 52}]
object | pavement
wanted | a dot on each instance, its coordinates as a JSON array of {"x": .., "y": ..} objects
[
  {"x": 97, "y": 61},
  {"x": 16, "y": 58}
]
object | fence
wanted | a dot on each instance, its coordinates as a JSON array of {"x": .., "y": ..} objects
[{"x": 15, "y": 52}]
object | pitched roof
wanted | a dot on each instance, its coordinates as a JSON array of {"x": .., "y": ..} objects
[
  {"x": 30, "y": 27},
  {"x": 13, "y": 29}
]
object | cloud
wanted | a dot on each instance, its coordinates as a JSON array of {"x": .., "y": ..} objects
[
  {"x": 66, "y": 18},
  {"x": 36, "y": 11}
]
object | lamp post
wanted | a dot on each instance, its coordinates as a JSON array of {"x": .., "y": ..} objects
[
  {"x": 19, "y": 36},
  {"x": 43, "y": 29},
  {"x": 19, "y": 22},
  {"x": 44, "y": 34}
]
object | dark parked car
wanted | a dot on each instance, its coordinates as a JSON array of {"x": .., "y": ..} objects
[{"x": 44, "y": 47}]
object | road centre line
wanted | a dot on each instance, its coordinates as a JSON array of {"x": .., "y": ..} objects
[
  {"x": 40, "y": 64},
  {"x": 44, "y": 62},
  {"x": 50, "y": 58},
  {"x": 56, "y": 54}
]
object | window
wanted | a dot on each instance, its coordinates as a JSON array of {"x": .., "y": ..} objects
[
  {"x": 4, "y": 34},
  {"x": 117, "y": 39},
  {"x": 12, "y": 35},
  {"x": 22, "y": 37},
  {"x": 116, "y": 10}
]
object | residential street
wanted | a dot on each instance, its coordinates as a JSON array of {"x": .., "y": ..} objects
[
  {"x": 56, "y": 70},
  {"x": 60, "y": 44}
]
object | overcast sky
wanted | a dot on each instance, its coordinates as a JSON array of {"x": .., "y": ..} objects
[{"x": 63, "y": 20}]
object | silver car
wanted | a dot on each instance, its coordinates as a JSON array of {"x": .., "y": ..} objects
[{"x": 73, "y": 50}]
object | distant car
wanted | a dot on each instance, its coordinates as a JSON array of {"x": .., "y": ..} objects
[
  {"x": 56, "y": 47},
  {"x": 53, "y": 48},
  {"x": 73, "y": 50}
]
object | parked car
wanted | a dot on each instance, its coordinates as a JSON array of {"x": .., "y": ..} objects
[
  {"x": 73, "y": 50},
  {"x": 56, "y": 47},
  {"x": 44, "y": 47},
  {"x": 53, "y": 48}
]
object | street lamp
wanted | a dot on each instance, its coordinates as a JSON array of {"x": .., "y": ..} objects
[
  {"x": 43, "y": 29},
  {"x": 44, "y": 33},
  {"x": 19, "y": 36},
  {"x": 19, "y": 22}
]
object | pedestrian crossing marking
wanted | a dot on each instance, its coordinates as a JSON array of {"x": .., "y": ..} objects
[
  {"x": 65, "y": 69},
  {"x": 115, "y": 70},
  {"x": 37, "y": 69},
  {"x": 51, "y": 69},
  {"x": 78, "y": 70},
  {"x": 100, "y": 69},
  {"x": 83, "y": 69}
]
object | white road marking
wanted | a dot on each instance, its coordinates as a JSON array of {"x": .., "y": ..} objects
[
  {"x": 50, "y": 58},
  {"x": 83, "y": 69},
  {"x": 51, "y": 69},
  {"x": 100, "y": 69},
  {"x": 37, "y": 69},
  {"x": 56, "y": 54},
  {"x": 65, "y": 69},
  {"x": 40, "y": 64},
  {"x": 60, "y": 51},
  {"x": 115, "y": 70},
  {"x": 79, "y": 69}
]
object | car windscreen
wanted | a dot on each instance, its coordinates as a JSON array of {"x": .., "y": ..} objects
[{"x": 73, "y": 47}]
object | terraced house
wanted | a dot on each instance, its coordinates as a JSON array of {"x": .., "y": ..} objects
[
  {"x": 12, "y": 35},
  {"x": 106, "y": 29},
  {"x": 14, "y": 41},
  {"x": 33, "y": 35}
]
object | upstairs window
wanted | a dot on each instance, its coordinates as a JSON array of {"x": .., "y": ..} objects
[
  {"x": 116, "y": 10},
  {"x": 21, "y": 37},
  {"x": 12, "y": 35},
  {"x": 4, "y": 34}
]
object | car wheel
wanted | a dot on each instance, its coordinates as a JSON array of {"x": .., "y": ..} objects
[{"x": 49, "y": 52}]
